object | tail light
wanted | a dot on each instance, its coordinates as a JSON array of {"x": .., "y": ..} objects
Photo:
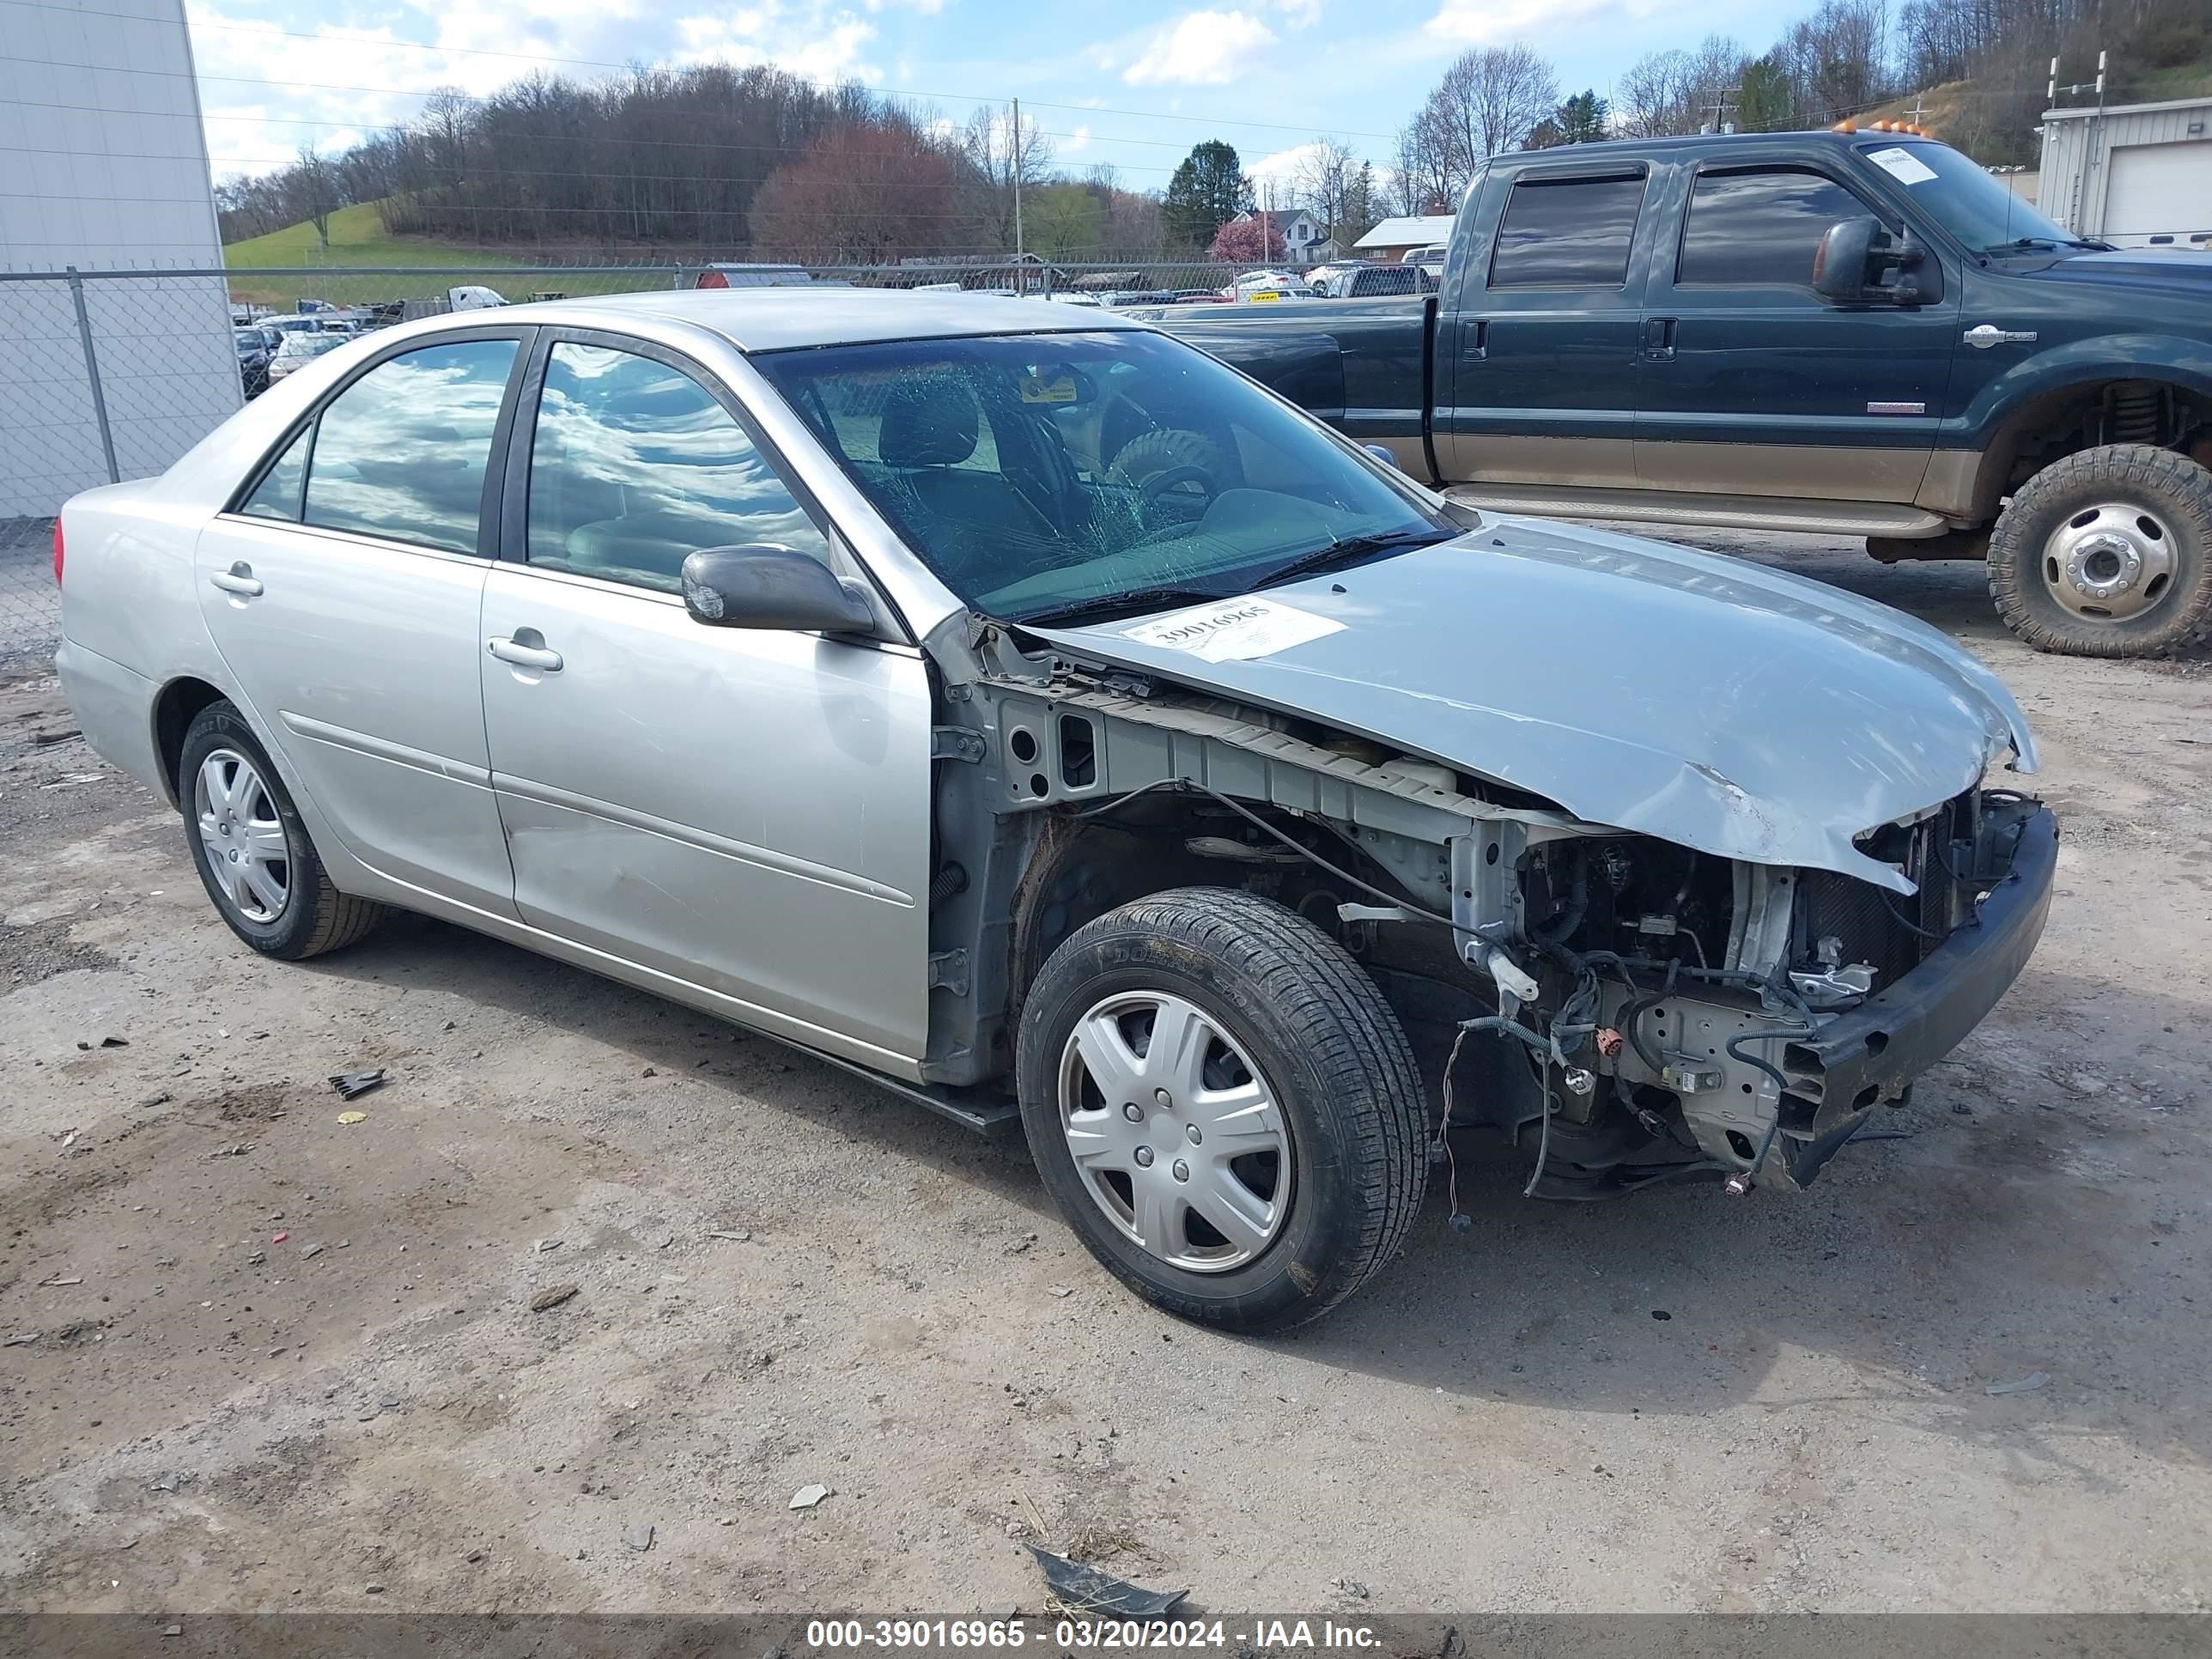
[{"x": 58, "y": 552}]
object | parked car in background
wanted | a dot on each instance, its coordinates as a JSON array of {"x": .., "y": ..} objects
[
  {"x": 303, "y": 347},
  {"x": 1029, "y": 712},
  {"x": 738, "y": 275},
  {"x": 1430, "y": 259},
  {"x": 1371, "y": 282},
  {"x": 253, "y": 353},
  {"x": 1851, "y": 333}
]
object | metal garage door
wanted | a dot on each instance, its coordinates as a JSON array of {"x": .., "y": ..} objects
[{"x": 2159, "y": 190}]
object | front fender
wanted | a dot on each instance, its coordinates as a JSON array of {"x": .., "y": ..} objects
[{"x": 2169, "y": 359}]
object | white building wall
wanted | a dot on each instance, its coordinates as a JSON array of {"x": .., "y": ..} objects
[
  {"x": 2078, "y": 146},
  {"x": 104, "y": 167}
]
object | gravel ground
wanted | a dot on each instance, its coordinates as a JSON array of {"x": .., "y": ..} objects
[{"x": 278, "y": 1359}]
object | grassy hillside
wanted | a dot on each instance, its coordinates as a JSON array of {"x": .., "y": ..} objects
[{"x": 358, "y": 238}]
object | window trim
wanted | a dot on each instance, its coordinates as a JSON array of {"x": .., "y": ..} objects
[
  {"x": 310, "y": 421},
  {"x": 1724, "y": 169},
  {"x": 1587, "y": 174},
  {"x": 513, "y": 545}
]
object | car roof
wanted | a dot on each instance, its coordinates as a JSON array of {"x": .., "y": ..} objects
[
  {"x": 788, "y": 319},
  {"x": 1819, "y": 136}
]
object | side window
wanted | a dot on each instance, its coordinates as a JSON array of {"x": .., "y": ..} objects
[
  {"x": 634, "y": 467},
  {"x": 1761, "y": 226},
  {"x": 401, "y": 453},
  {"x": 1567, "y": 232},
  {"x": 277, "y": 494}
]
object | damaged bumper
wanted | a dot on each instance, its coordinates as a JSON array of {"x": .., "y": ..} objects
[{"x": 1873, "y": 1053}]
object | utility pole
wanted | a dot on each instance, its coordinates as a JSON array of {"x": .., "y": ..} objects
[{"x": 1016, "y": 164}]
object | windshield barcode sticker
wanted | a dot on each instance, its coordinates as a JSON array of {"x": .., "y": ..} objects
[
  {"x": 1901, "y": 163},
  {"x": 1234, "y": 630}
]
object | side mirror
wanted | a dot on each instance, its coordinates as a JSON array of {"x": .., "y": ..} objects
[
  {"x": 1842, "y": 265},
  {"x": 1858, "y": 260},
  {"x": 764, "y": 585},
  {"x": 1383, "y": 454}
]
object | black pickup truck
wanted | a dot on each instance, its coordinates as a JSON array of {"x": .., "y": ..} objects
[{"x": 1857, "y": 333}]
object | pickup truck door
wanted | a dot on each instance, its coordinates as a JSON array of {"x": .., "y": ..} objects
[
  {"x": 1537, "y": 338},
  {"x": 1752, "y": 384},
  {"x": 741, "y": 812}
]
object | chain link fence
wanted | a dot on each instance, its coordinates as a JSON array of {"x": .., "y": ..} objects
[{"x": 107, "y": 375}]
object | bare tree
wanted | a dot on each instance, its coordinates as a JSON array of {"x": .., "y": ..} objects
[
  {"x": 996, "y": 155},
  {"x": 1334, "y": 186},
  {"x": 312, "y": 184}
]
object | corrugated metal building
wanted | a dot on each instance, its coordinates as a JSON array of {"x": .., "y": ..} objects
[
  {"x": 104, "y": 167},
  {"x": 2135, "y": 174}
]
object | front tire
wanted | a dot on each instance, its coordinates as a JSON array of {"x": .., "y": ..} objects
[
  {"x": 1224, "y": 1107},
  {"x": 2108, "y": 553},
  {"x": 252, "y": 853}
]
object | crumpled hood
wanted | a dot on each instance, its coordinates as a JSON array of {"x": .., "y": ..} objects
[{"x": 1703, "y": 699}]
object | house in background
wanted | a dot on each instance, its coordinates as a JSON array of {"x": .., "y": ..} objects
[
  {"x": 105, "y": 168},
  {"x": 1305, "y": 239},
  {"x": 1394, "y": 238}
]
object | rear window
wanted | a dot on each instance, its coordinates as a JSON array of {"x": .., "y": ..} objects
[{"x": 1567, "y": 232}]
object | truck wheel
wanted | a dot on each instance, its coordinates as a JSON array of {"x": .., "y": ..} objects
[
  {"x": 1223, "y": 1106},
  {"x": 2108, "y": 553}
]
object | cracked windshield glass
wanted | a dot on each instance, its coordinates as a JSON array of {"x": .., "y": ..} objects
[{"x": 1070, "y": 476}]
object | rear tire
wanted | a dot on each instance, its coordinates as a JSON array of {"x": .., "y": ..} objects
[
  {"x": 1294, "y": 1118},
  {"x": 2108, "y": 553},
  {"x": 252, "y": 853}
]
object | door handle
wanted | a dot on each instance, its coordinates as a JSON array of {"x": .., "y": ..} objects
[
  {"x": 526, "y": 656},
  {"x": 1475, "y": 341},
  {"x": 1659, "y": 337},
  {"x": 238, "y": 579}
]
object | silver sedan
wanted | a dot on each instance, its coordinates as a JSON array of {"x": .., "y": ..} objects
[{"x": 1026, "y": 712}]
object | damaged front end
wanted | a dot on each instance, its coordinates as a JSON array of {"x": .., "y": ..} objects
[
  {"x": 1628, "y": 1009},
  {"x": 1740, "y": 1018}
]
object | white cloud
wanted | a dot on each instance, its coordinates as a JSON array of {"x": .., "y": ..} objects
[
  {"x": 1200, "y": 48},
  {"x": 1281, "y": 169},
  {"x": 1299, "y": 14},
  {"x": 1076, "y": 142},
  {"x": 1486, "y": 22},
  {"x": 822, "y": 45}
]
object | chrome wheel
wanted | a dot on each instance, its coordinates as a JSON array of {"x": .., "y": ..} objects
[
  {"x": 1175, "y": 1136},
  {"x": 242, "y": 835},
  {"x": 2110, "y": 561}
]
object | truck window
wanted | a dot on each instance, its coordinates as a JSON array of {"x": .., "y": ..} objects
[
  {"x": 1761, "y": 225},
  {"x": 1567, "y": 232}
]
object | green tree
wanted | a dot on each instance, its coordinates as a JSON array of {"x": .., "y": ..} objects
[
  {"x": 1584, "y": 119},
  {"x": 1208, "y": 191},
  {"x": 1762, "y": 103}
]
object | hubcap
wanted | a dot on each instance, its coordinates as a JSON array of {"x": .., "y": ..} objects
[
  {"x": 242, "y": 835},
  {"x": 1199, "y": 1179},
  {"x": 2109, "y": 562}
]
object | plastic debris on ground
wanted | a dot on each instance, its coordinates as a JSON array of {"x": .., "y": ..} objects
[
  {"x": 352, "y": 1086},
  {"x": 2027, "y": 1385},
  {"x": 807, "y": 1497},
  {"x": 1086, "y": 1589}
]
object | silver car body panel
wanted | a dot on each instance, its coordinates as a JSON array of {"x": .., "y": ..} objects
[
  {"x": 1736, "y": 710},
  {"x": 749, "y": 809}
]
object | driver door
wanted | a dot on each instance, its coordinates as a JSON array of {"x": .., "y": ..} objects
[{"x": 743, "y": 815}]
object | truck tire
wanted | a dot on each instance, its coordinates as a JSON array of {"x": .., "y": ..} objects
[
  {"x": 1167, "y": 449},
  {"x": 2108, "y": 553},
  {"x": 1223, "y": 1106}
]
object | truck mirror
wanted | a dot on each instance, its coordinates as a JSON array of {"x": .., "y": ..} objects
[{"x": 1843, "y": 264}]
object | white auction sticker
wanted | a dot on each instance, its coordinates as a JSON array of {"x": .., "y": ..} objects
[
  {"x": 1899, "y": 162},
  {"x": 1234, "y": 630}
]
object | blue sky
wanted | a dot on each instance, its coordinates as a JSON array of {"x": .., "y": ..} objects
[{"x": 1133, "y": 82}]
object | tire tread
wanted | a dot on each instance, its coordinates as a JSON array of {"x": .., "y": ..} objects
[{"x": 2181, "y": 484}]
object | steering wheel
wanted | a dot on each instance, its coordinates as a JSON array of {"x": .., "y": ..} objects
[{"x": 1168, "y": 478}]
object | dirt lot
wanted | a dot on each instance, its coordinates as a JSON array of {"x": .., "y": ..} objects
[{"x": 280, "y": 1361}]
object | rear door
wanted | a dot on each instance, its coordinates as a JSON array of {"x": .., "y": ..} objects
[
  {"x": 743, "y": 810},
  {"x": 1753, "y": 385},
  {"x": 342, "y": 589},
  {"x": 1537, "y": 338}
]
